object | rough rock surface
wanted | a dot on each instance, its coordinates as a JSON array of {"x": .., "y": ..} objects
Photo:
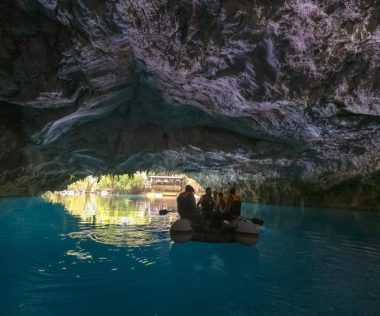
[{"x": 281, "y": 98}]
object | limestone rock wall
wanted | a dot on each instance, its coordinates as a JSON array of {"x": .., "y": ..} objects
[{"x": 280, "y": 98}]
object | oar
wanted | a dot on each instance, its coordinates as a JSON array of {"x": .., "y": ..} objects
[
  {"x": 165, "y": 211},
  {"x": 254, "y": 220},
  {"x": 257, "y": 221}
]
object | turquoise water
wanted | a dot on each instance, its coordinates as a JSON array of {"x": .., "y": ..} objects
[{"x": 113, "y": 256}]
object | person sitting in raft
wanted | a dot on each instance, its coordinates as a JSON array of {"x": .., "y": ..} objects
[
  {"x": 221, "y": 202},
  {"x": 219, "y": 208},
  {"x": 186, "y": 204},
  {"x": 216, "y": 200},
  {"x": 233, "y": 206},
  {"x": 207, "y": 204}
]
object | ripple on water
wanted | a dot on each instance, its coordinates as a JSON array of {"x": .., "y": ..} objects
[
  {"x": 79, "y": 254},
  {"x": 122, "y": 236}
]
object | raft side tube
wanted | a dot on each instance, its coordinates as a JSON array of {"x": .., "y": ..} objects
[
  {"x": 181, "y": 231},
  {"x": 246, "y": 232}
]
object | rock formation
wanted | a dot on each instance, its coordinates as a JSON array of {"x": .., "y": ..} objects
[{"x": 281, "y": 98}]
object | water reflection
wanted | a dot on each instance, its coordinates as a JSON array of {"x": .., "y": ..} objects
[{"x": 118, "y": 220}]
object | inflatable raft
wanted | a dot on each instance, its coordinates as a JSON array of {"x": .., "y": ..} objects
[{"x": 242, "y": 230}]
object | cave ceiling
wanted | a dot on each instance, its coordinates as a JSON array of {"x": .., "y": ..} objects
[{"x": 247, "y": 92}]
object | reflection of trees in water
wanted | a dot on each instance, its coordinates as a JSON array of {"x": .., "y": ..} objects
[
  {"x": 128, "y": 237},
  {"x": 119, "y": 220}
]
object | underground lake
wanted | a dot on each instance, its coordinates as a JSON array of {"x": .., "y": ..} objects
[{"x": 93, "y": 255}]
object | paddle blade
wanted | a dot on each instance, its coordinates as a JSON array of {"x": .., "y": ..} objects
[
  {"x": 163, "y": 212},
  {"x": 257, "y": 221}
]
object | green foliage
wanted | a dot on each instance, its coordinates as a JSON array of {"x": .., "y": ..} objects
[{"x": 124, "y": 184}]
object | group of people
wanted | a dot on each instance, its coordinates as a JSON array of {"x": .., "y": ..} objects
[{"x": 212, "y": 208}]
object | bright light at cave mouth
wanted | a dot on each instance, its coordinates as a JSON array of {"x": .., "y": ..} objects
[
  {"x": 127, "y": 199},
  {"x": 151, "y": 185}
]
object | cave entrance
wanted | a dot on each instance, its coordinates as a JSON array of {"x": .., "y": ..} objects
[
  {"x": 139, "y": 183},
  {"x": 133, "y": 199}
]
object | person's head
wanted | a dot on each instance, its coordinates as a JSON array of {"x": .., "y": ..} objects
[
  {"x": 215, "y": 194},
  {"x": 189, "y": 188},
  {"x": 208, "y": 191},
  {"x": 220, "y": 194},
  {"x": 232, "y": 191}
]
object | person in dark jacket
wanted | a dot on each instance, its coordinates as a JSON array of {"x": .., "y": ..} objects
[
  {"x": 207, "y": 204},
  {"x": 186, "y": 204},
  {"x": 216, "y": 200}
]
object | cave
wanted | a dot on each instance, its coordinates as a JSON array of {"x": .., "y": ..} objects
[
  {"x": 281, "y": 101},
  {"x": 189, "y": 157}
]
